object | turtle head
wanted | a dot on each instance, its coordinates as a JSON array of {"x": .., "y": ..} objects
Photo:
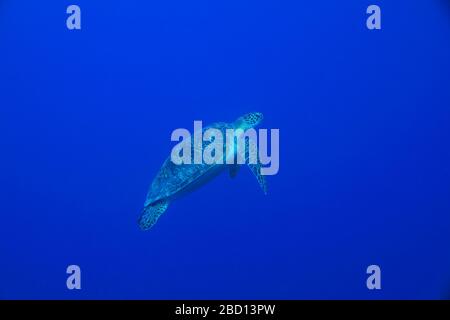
[{"x": 249, "y": 120}]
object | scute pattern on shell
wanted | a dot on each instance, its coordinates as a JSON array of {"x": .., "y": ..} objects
[{"x": 172, "y": 178}]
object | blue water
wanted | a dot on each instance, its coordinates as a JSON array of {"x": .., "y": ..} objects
[{"x": 85, "y": 124}]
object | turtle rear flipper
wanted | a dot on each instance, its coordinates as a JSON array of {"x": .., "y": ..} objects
[{"x": 151, "y": 214}]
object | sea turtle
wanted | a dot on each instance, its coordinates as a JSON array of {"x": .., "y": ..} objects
[{"x": 174, "y": 180}]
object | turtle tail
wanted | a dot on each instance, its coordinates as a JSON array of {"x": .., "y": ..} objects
[{"x": 151, "y": 213}]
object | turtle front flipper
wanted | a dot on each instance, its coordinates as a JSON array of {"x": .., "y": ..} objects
[
  {"x": 151, "y": 214},
  {"x": 256, "y": 169},
  {"x": 254, "y": 163}
]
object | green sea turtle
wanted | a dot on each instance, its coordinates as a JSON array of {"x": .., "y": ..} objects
[{"x": 174, "y": 180}]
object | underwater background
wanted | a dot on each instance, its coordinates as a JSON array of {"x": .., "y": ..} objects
[{"x": 85, "y": 124}]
